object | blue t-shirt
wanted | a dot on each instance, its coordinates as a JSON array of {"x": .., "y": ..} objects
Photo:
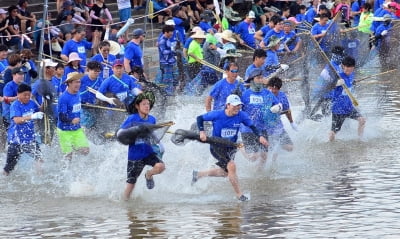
[
  {"x": 246, "y": 32},
  {"x": 134, "y": 54},
  {"x": 165, "y": 52},
  {"x": 355, "y": 7},
  {"x": 318, "y": 29},
  {"x": 272, "y": 60},
  {"x": 3, "y": 68},
  {"x": 256, "y": 104},
  {"x": 142, "y": 147},
  {"x": 10, "y": 90},
  {"x": 56, "y": 82},
  {"x": 271, "y": 33},
  {"x": 179, "y": 28},
  {"x": 227, "y": 126},
  {"x": 204, "y": 26},
  {"x": 310, "y": 15},
  {"x": 376, "y": 24},
  {"x": 265, "y": 29},
  {"x": 221, "y": 90},
  {"x": 27, "y": 76},
  {"x": 341, "y": 102},
  {"x": 252, "y": 68},
  {"x": 78, "y": 47},
  {"x": 273, "y": 121},
  {"x": 69, "y": 106},
  {"x": 290, "y": 39},
  {"x": 22, "y": 133},
  {"x": 122, "y": 88},
  {"x": 106, "y": 70},
  {"x": 86, "y": 96},
  {"x": 187, "y": 42}
]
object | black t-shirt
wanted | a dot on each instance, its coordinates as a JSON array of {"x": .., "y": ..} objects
[{"x": 14, "y": 22}]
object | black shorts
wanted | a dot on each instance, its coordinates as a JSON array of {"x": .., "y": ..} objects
[
  {"x": 223, "y": 156},
  {"x": 135, "y": 167},
  {"x": 252, "y": 142},
  {"x": 338, "y": 120}
]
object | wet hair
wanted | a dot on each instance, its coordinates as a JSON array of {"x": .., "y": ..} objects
[
  {"x": 14, "y": 59},
  {"x": 275, "y": 82},
  {"x": 93, "y": 65},
  {"x": 3, "y": 48},
  {"x": 24, "y": 87},
  {"x": 259, "y": 53},
  {"x": 103, "y": 44},
  {"x": 338, "y": 50},
  {"x": 230, "y": 65},
  {"x": 349, "y": 61},
  {"x": 59, "y": 65},
  {"x": 168, "y": 28}
]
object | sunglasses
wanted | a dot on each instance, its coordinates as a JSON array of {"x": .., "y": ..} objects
[{"x": 234, "y": 71}]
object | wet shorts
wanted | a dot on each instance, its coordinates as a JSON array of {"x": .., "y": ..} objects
[
  {"x": 72, "y": 140},
  {"x": 135, "y": 167},
  {"x": 252, "y": 143},
  {"x": 223, "y": 156},
  {"x": 338, "y": 120}
]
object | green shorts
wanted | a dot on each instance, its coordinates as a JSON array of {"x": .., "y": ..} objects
[{"x": 72, "y": 140}]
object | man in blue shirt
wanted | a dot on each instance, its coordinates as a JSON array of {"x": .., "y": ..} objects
[
  {"x": 10, "y": 93},
  {"x": 71, "y": 136},
  {"x": 246, "y": 30},
  {"x": 342, "y": 106},
  {"x": 318, "y": 31},
  {"x": 21, "y": 134},
  {"x": 76, "y": 44},
  {"x": 133, "y": 53},
  {"x": 226, "y": 123}
]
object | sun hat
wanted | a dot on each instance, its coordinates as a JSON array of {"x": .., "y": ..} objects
[
  {"x": 73, "y": 76},
  {"x": 233, "y": 100},
  {"x": 294, "y": 20},
  {"x": 73, "y": 56},
  {"x": 170, "y": 22},
  {"x": 48, "y": 63},
  {"x": 273, "y": 41},
  {"x": 199, "y": 35},
  {"x": 228, "y": 36},
  {"x": 2, "y": 11},
  {"x": 115, "y": 48},
  {"x": 251, "y": 14},
  {"x": 196, "y": 29},
  {"x": 253, "y": 74}
]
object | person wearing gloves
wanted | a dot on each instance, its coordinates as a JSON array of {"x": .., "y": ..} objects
[
  {"x": 383, "y": 29},
  {"x": 121, "y": 85},
  {"x": 259, "y": 103},
  {"x": 342, "y": 107},
  {"x": 276, "y": 132},
  {"x": 21, "y": 134},
  {"x": 71, "y": 136},
  {"x": 28, "y": 65},
  {"x": 226, "y": 123},
  {"x": 10, "y": 92},
  {"x": 272, "y": 65}
]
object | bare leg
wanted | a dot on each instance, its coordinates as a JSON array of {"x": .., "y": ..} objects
[
  {"x": 215, "y": 172},
  {"x": 361, "y": 126},
  {"x": 128, "y": 191},
  {"x": 233, "y": 178},
  {"x": 83, "y": 151},
  {"x": 157, "y": 169},
  {"x": 332, "y": 136}
]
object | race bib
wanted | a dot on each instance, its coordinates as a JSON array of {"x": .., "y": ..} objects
[
  {"x": 352, "y": 45},
  {"x": 256, "y": 99},
  {"x": 76, "y": 108},
  {"x": 106, "y": 72},
  {"x": 251, "y": 30},
  {"x": 228, "y": 133},
  {"x": 81, "y": 49},
  {"x": 121, "y": 96}
]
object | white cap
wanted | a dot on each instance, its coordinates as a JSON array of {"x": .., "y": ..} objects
[
  {"x": 48, "y": 62},
  {"x": 2, "y": 11},
  {"x": 196, "y": 29},
  {"x": 251, "y": 14},
  {"x": 170, "y": 22},
  {"x": 233, "y": 100}
]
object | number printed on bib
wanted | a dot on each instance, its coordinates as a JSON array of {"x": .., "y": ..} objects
[
  {"x": 256, "y": 99},
  {"x": 76, "y": 108},
  {"x": 228, "y": 133}
]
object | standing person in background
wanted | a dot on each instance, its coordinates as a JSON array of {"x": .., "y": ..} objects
[
  {"x": 98, "y": 13},
  {"x": 195, "y": 49},
  {"x": 226, "y": 123},
  {"x": 133, "y": 55},
  {"x": 70, "y": 134},
  {"x": 73, "y": 65},
  {"x": 21, "y": 134},
  {"x": 246, "y": 30},
  {"x": 77, "y": 44},
  {"x": 355, "y": 12},
  {"x": 29, "y": 66},
  {"x": 124, "y": 12},
  {"x": 105, "y": 58},
  {"x": 366, "y": 19}
]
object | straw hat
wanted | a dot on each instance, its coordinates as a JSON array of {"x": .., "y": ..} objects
[
  {"x": 73, "y": 56},
  {"x": 199, "y": 35},
  {"x": 228, "y": 36},
  {"x": 273, "y": 41},
  {"x": 115, "y": 48},
  {"x": 196, "y": 29},
  {"x": 73, "y": 76}
]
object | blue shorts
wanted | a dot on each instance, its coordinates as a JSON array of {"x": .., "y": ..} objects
[{"x": 124, "y": 14}]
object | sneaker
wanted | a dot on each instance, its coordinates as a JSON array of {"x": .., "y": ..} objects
[
  {"x": 194, "y": 177},
  {"x": 243, "y": 198},
  {"x": 149, "y": 182}
]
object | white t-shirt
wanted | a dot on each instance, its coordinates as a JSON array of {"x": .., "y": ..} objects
[{"x": 122, "y": 4}]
